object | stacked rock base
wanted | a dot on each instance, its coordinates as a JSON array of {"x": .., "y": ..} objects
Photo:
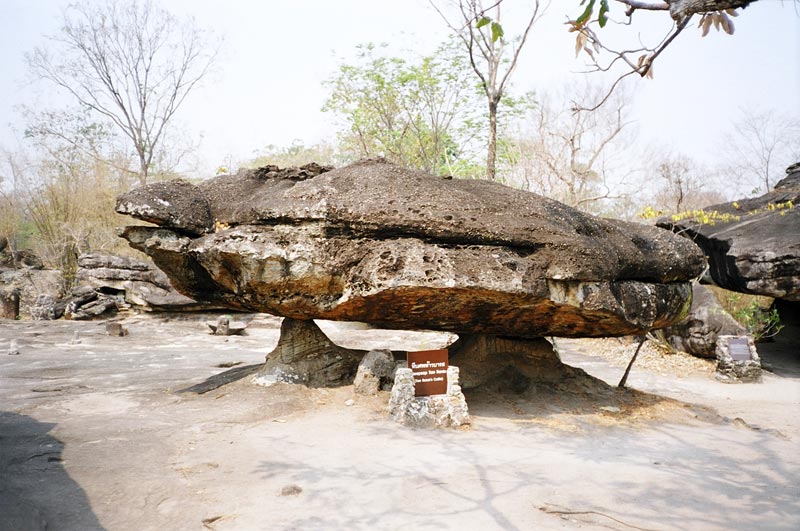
[
  {"x": 736, "y": 371},
  {"x": 437, "y": 411}
]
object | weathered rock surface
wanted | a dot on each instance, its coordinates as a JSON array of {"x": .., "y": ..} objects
[
  {"x": 28, "y": 284},
  {"x": 376, "y": 243},
  {"x": 140, "y": 283},
  {"x": 707, "y": 319},
  {"x": 175, "y": 204},
  {"x": 753, "y": 245},
  {"x": 305, "y": 355}
]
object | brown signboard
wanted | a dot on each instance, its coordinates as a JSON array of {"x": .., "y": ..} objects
[
  {"x": 430, "y": 371},
  {"x": 739, "y": 349}
]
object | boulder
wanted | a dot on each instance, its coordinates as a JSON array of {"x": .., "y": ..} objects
[
  {"x": 752, "y": 245},
  {"x": 375, "y": 373},
  {"x": 397, "y": 248},
  {"x": 707, "y": 319},
  {"x": 176, "y": 204}
]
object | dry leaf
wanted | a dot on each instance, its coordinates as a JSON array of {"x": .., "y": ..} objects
[
  {"x": 580, "y": 41},
  {"x": 732, "y": 12},
  {"x": 707, "y": 19},
  {"x": 727, "y": 24}
]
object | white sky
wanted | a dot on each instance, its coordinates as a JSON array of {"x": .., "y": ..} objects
[{"x": 267, "y": 87}]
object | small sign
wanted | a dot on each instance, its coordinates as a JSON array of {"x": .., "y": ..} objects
[
  {"x": 739, "y": 349},
  {"x": 430, "y": 371}
]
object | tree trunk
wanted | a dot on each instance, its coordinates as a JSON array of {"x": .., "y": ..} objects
[{"x": 491, "y": 155}]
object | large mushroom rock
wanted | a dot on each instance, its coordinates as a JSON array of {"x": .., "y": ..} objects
[
  {"x": 753, "y": 245},
  {"x": 403, "y": 249}
]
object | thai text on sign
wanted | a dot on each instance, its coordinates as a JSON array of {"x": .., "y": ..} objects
[{"x": 430, "y": 371}]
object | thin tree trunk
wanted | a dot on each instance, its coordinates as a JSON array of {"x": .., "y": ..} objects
[{"x": 491, "y": 155}]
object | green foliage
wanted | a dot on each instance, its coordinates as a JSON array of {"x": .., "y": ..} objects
[
  {"x": 297, "y": 154},
  {"x": 761, "y": 323},
  {"x": 421, "y": 114},
  {"x": 602, "y": 15}
]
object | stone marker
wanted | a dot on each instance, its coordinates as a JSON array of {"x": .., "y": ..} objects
[
  {"x": 437, "y": 411},
  {"x": 737, "y": 360}
]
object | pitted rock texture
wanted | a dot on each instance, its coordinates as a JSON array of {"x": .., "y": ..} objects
[
  {"x": 176, "y": 204},
  {"x": 760, "y": 252},
  {"x": 376, "y": 243}
]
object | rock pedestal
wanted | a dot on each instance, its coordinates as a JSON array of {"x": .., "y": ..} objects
[
  {"x": 730, "y": 367},
  {"x": 437, "y": 411},
  {"x": 305, "y": 355}
]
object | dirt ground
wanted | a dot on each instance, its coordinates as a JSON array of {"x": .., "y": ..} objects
[{"x": 99, "y": 432}]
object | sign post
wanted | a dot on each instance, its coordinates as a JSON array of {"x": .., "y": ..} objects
[{"x": 430, "y": 371}]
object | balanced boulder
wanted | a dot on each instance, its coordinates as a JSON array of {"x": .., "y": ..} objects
[{"x": 397, "y": 248}]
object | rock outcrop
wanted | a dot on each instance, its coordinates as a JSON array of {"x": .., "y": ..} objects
[
  {"x": 752, "y": 245},
  {"x": 707, "y": 320},
  {"x": 397, "y": 248},
  {"x": 138, "y": 283}
]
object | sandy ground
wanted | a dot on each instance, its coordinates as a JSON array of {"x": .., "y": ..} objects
[{"x": 95, "y": 433}]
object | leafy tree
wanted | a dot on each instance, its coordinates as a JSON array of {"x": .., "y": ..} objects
[
  {"x": 129, "y": 62},
  {"x": 418, "y": 114},
  {"x": 492, "y": 56}
]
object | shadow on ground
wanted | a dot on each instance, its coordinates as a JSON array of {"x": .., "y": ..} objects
[{"x": 36, "y": 492}]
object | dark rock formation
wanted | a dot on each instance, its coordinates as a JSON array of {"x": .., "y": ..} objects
[
  {"x": 175, "y": 204},
  {"x": 376, "y": 243},
  {"x": 753, "y": 245},
  {"x": 707, "y": 319}
]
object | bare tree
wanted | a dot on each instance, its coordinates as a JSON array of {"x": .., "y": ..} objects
[
  {"x": 761, "y": 146},
  {"x": 640, "y": 57},
  {"x": 571, "y": 155},
  {"x": 684, "y": 185},
  {"x": 479, "y": 29},
  {"x": 129, "y": 61}
]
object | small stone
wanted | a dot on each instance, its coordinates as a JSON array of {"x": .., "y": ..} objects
[
  {"x": 349, "y": 402},
  {"x": 13, "y": 348},
  {"x": 291, "y": 490},
  {"x": 116, "y": 329},
  {"x": 76, "y": 340},
  {"x": 611, "y": 409}
]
